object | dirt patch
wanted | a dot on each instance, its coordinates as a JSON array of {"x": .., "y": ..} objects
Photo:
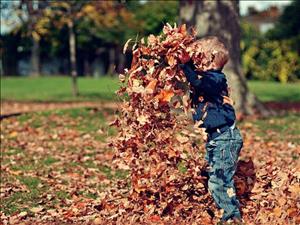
[
  {"x": 284, "y": 106},
  {"x": 11, "y": 108},
  {"x": 16, "y": 108}
]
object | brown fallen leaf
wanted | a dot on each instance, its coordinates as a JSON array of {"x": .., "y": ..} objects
[
  {"x": 36, "y": 209},
  {"x": 165, "y": 95},
  {"x": 151, "y": 86}
]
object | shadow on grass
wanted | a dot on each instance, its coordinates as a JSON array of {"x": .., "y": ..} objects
[{"x": 89, "y": 96}]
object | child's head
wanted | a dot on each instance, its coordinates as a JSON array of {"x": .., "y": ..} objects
[{"x": 216, "y": 54}]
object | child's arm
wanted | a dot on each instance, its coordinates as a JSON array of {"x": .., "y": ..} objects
[
  {"x": 189, "y": 69},
  {"x": 190, "y": 74}
]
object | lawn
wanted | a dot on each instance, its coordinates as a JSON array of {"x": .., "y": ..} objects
[
  {"x": 274, "y": 91},
  {"x": 49, "y": 158},
  {"x": 59, "y": 89},
  {"x": 56, "y": 165}
]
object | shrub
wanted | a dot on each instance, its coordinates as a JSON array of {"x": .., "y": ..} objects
[{"x": 265, "y": 59}]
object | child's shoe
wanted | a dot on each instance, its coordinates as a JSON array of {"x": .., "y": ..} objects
[{"x": 234, "y": 221}]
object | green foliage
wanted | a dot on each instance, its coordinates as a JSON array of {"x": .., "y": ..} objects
[
  {"x": 98, "y": 26},
  {"x": 109, "y": 21},
  {"x": 288, "y": 25},
  {"x": 265, "y": 59},
  {"x": 154, "y": 14},
  {"x": 274, "y": 55}
]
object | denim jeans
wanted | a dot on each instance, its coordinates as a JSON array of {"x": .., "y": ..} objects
[{"x": 222, "y": 155}]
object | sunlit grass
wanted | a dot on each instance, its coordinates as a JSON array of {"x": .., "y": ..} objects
[
  {"x": 58, "y": 89},
  {"x": 274, "y": 91},
  {"x": 103, "y": 89},
  {"x": 88, "y": 121}
]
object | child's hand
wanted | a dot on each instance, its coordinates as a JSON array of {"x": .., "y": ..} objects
[
  {"x": 184, "y": 57},
  {"x": 227, "y": 100},
  {"x": 203, "y": 134}
]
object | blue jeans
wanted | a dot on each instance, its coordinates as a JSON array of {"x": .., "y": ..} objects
[{"x": 222, "y": 155}]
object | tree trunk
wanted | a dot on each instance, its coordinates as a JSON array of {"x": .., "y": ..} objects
[
  {"x": 33, "y": 15},
  {"x": 72, "y": 45},
  {"x": 35, "y": 58},
  {"x": 86, "y": 66},
  {"x": 9, "y": 55},
  {"x": 112, "y": 60},
  {"x": 221, "y": 18},
  {"x": 120, "y": 59}
]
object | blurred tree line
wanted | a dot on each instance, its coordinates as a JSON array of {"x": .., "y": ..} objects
[
  {"x": 273, "y": 55},
  {"x": 86, "y": 38},
  {"x": 80, "y": 36}
]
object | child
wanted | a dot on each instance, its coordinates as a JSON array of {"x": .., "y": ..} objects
[{"x": 212, "y": 105}]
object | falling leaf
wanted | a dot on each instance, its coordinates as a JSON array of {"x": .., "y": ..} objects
[
  {"x": 122, "y": 77},
  {"x": 97, "y": 221},
  {"x": 13, "y": 134},
  {"x": 182, "y": 139},
  {"x": 126, "y": 45},
  {"x": 142, "y": 119},
  {"x": 151, "y": 86},
  {"x": 185, "y": 99},
  {"x": 171, "y": 60},
  {"x": 151, "y": 39},
  {"x": 182, "y": 29},
  {"x": 154, "y": 218},
  {"x": 277, "y": 212},
  {"x": 165, "y": 95}
]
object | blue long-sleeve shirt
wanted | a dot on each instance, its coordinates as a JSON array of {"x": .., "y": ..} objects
[{"x": 211, "y": 86}]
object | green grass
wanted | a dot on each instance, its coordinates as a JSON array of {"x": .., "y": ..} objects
[
  {"x": 59, "y": 89},
  {"x": 273, "y": 91},
  {"x": 284, "y": 128},
  {"x": 30, "y": 182},
  {"x": 21, "y": 201},
  {"x": 31, "y": 168},
  {"x": 50, "y": 160}
]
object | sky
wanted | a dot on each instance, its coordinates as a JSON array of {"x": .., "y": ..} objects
[
  {"x": 244, "y": 4},
  {"x": 260, "y": 5}
]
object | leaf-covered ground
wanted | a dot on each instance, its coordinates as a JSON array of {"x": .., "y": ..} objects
[{"x": 56, "y": 167}]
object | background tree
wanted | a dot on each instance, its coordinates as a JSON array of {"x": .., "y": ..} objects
[
  {"x": 26, "y": 15},
  {"x": 113, "y": 23},
  {"x": 269, "y": 59},
  {"x": 68, "y": 14},
  {"x": 288, "y": 25},
  {"x": 221, "y": 19},
  {"x": 33, "y": 13},
  {"x": 274, "y": 55},
  {"x": 154, "y": 16}
]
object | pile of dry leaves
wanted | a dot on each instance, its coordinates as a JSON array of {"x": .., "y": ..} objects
[
  {"x": 160, "y": 146},
  {"x": 157, "y": 143}
]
